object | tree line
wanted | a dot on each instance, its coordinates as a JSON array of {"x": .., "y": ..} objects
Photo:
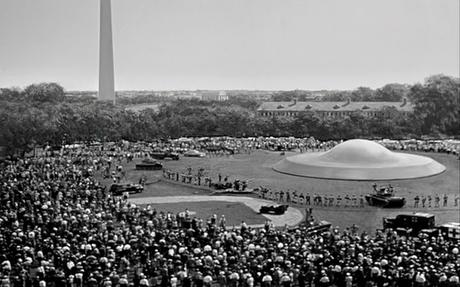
[
  {"x": 389, "y": 93},
  {"x": 41, "y": 114}
]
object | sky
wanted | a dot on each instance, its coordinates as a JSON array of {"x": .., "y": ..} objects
[{"x": 231, "y": 44}]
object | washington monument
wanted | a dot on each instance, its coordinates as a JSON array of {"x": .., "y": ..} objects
[{"x": 106, "y": 78}]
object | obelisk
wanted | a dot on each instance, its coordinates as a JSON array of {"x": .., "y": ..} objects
[{"x": 106, "y": 78}]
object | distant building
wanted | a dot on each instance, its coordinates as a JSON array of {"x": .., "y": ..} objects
[
  {"x": 186, "y": 96},
  {"x": 214, "y": 96},
  {"x": 334, "y": 110}
]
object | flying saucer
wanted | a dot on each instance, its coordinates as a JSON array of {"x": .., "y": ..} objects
[{"x": 359, "y": 160}]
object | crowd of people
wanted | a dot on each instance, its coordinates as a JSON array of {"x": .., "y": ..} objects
[
  {"x": 438, "y": 146},
  {"x": 227, "y": 146},
  {"x": 59, "y": 226},
  {"x": 216, "y": 146}
]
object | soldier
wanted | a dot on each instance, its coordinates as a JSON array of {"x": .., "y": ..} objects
[
  {"x": 307, "y": 199},
  {"x": 445, "y": 199},
  {"x": 361, "y": 201},
  {"x": 339, "y": 200},
  {"x": 437, "y": 199},
  {"x": 301, "y": 199},
  {"x": 347, "y": 200},
  {"x": 331, "y": 200},
  {"x": 354, "y": 200},
  {"x": 222, "y": 221},
  {"x": 423, "y": 201},
  {"x": 268, "y": 195},
  {"x": 429, "y": 201},
  {"x": 416, "y": 201},
  {"x": 456, "y": 199},
  {"x": 294, "y": 197}
]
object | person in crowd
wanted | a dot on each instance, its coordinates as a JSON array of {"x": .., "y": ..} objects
[
  {"x": 423, "y": 201},
  {"x": 307, "y": 199},
  {"x": 437, "y": 200},
  {"x": 416, "y": 201}
]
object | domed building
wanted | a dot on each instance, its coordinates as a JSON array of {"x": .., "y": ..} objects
[{"x": 359, "y": 160}]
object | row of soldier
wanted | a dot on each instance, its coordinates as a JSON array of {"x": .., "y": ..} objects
[
  {"x": 200, "y": 179},
  {"x": 187, "y": 178},
  {"x": 347, "y": 200},
  {"x": 434, "y": 201},
  {"x": 313, "y": 200}
]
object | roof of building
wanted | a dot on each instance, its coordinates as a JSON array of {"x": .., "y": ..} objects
[{"x": 333, "y": 106}]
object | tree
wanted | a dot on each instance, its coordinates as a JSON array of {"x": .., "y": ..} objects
[
  {"x": 11, "y": 95},
  {"x": 363, "y": 94},
  {"x": 437, "y": 105},
  {"x": 21, "y": 126},
  {"x": 337, "y": 96},
  {"x": 288, "y": 96},
  {"x": 45, "y": 92},
  {"x": 305, "y": 124},
  {"x": 244, "y": 101},
  {"x": 392, "y": 93}
]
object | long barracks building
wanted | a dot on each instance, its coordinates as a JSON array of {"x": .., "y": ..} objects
[{"x": 332, "y": 109}]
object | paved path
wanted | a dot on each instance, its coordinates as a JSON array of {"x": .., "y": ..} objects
[{"x": 291, "y": 217}]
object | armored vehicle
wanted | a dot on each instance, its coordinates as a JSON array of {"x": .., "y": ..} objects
[{"x": 383, "y": 196}]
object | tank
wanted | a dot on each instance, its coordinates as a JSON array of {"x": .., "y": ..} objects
[
  {"x": 384, "y": 197},
  {"x": 149, "y": 164},
  {"x": 164, "y": 154}
]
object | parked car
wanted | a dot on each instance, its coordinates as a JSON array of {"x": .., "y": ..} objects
[
  {"x": 194, "y": 153},
  {"x": 422, "y": 223},
  {"x": 119, "y": 188},
  {"x": 273, "y": 209},
  {"x": 411, "y": 223},
  {"x": 164, "y": 154},
  {"x": 149, "y": 164},
  {"x": 451, "y": 230}
]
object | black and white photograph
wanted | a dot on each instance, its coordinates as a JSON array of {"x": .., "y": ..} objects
[{"x": 239, "y": 143}]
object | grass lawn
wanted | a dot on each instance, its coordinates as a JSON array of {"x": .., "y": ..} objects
[{"x": 257, "y": 169}]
